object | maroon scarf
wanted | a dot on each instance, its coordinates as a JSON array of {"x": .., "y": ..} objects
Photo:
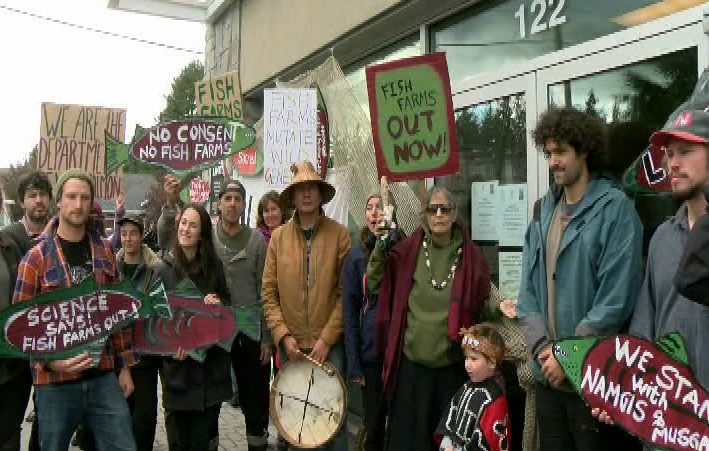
[{"x": 470, "y": 290}]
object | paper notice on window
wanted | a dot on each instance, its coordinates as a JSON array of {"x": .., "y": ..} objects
[
  {"x": 510, "y": 267},
  {"x": 513, "y": 214},
  {"x": 484, "y": 219}
]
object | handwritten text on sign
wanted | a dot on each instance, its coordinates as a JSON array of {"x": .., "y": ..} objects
[
  {"x": 72, "y": 136},
  {"x": 56, "y": 327},
  {"x": 199, "y": 190},
  {"x": 289, "y": 130},
  {"x": 647, "y": 392},
  {"x": 412, "y": 118},
  {"x": 220, "y": 96}
]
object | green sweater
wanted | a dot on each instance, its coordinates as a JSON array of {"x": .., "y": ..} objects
[{"x": 425, "y": 339}]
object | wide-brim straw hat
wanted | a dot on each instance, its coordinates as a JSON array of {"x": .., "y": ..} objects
[{"x": 304, "y": 172}]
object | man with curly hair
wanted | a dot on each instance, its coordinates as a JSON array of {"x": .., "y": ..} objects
[{"x": 581, "y": 268}]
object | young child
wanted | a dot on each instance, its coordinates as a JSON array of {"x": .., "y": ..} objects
[{"x": 477, "y": 416}]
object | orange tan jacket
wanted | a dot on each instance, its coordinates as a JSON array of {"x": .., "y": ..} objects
[{"x": 305, "y": 306}]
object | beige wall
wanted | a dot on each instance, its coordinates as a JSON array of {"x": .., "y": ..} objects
[{"x": 278, "y": 33}]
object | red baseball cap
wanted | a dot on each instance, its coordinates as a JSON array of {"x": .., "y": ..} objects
[{"x": 686, "y": 125}]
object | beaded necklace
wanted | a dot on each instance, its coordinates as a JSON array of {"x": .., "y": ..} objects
[{"x": 427, "y": 256}]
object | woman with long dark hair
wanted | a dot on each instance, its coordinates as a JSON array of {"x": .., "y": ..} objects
[
  {"x": 359, "y": 311},
  {"x": 194, "y": 391}
]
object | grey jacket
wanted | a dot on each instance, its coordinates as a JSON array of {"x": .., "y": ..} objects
[{"x": 660, "y": 308}]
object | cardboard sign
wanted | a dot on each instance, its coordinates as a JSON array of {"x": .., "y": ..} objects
[
  {"x": 183, "y": 147},
  {"x": 199, "y": 190},
  {"x": 289, "y": 132},
  {"x": 73, "y": 136},
  {"x": 412, "y": 118},
  {"x": 65, "y": 322},
  {"x": 647, "y": 388},
  {"x": 220, "y": 96}
]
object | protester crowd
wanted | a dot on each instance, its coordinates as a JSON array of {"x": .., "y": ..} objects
[{"x": 414, "y": 321}]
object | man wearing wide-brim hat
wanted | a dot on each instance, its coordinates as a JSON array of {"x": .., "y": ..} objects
[{"x": 302, "y": 283}]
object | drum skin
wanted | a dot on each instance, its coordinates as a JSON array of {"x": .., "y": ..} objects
[{"x": 308, "y": 406}]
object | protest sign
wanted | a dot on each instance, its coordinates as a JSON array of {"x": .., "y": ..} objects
[
  {"x": 245, "y": 161},
  {"x": 73, "y": 136},
  {"x": 412, "y": 118},
  {"x": 199, "y": 190},
  {"x": 220, "y": 96},
  {"x": 182, "y": 147},
  {"x": 65, "y": 322},
  {"x": 647, "y": 388},
  {"x": 193, "y": 326},
  {"x": 289, "y": 132}
]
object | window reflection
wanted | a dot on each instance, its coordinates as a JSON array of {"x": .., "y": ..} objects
[
  {"x": 634, "y": 101},
  {"x": 493, "y": 146}
]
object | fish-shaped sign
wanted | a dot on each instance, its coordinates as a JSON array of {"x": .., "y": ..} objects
[
  {"x": 63, "y": 323},
  {"x": 647, "y": 388},
  {"x": 193, "y": 326},
  {"x": 182, "y": 147}
]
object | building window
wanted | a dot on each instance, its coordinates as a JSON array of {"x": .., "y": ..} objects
[{"x": 494, "y": 35}]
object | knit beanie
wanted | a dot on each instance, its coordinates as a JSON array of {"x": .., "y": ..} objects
[{"x": 73, "y": 173}]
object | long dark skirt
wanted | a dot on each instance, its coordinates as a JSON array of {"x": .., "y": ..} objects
[{"x": 421, "y": 397}]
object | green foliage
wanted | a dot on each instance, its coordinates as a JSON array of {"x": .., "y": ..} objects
[
  {"x": 180, "y": 101},
  {"x": 11, "y": 179}
]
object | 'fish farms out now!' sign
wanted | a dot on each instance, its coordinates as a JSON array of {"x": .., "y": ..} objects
[
  {"x": 412, "y": 118},
  {"x": 647, "y": 388}
]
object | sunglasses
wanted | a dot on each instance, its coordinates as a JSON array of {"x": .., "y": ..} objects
[{"x": 432, "y": 209}]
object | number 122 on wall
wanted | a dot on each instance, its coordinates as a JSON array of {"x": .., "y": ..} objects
[{"x": 538, "y": 12}]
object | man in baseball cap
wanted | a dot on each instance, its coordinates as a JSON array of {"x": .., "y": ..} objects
[
  {"x": 660, "y": 308},
  {"x": 689, "y": 125}
]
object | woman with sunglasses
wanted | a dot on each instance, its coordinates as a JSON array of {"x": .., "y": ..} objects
[
  {"x": 194, "y": 391},
  {"x": 430, "y": 285}
]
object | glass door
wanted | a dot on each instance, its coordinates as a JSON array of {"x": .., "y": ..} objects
[
  {"x": 633, "y": 88},
  {"x": 496, "y": 157}
]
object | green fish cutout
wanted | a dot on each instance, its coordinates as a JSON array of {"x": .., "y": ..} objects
[
  {"x": 646, "y": 387},
  {"x": 182, "y": 147}
]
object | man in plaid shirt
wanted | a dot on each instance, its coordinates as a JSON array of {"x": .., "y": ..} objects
[{"x": 73, "y": 391}]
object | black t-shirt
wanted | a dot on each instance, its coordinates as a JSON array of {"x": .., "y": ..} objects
[
  {"x": 129, "y": 270},
  {"x": 78, "y": 259}
]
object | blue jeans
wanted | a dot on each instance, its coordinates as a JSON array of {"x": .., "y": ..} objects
[
  {"x": 98, "y": 403},
  {"x": 337, "y": 358}
]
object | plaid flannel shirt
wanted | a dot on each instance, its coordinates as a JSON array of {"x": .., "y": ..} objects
[{"x": 44, "y": 268}]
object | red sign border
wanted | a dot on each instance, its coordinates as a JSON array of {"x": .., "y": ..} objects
[{"x": 439, "y": 64}]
